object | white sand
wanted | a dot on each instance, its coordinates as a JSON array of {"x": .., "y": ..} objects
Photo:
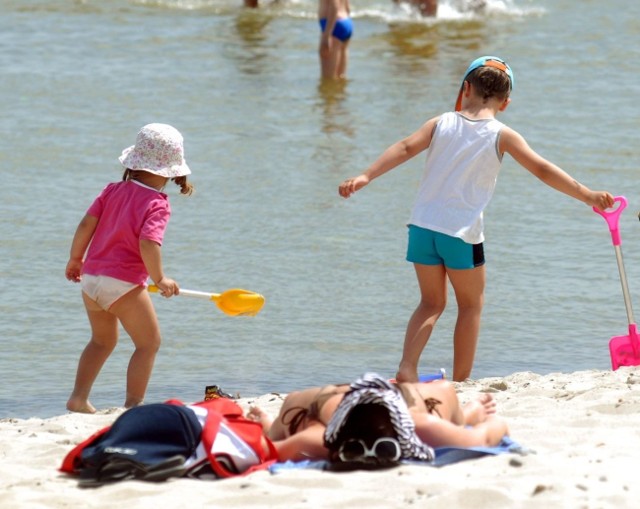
[{"x": 584, "y": 428}]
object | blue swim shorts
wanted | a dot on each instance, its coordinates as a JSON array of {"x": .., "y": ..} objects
[
  {"x": 427, "y": 247},
  {"x": 343, "y": 29}
]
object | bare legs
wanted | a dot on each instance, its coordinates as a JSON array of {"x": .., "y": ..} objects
[
  {"x": 333, "y": 59},
  {"x": 432, "y": 280},
  {"x": 137, "y": 315},
  {"x": 104, "y": 336},
  {"x": 450, "y": 409},
  {"x": 475, "y": 423},
  {"x": 468, "y": 286},
  {"x": 343, "y": 60}
]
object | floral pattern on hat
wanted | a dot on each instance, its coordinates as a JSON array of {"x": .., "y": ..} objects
[{"x": 159, "y": 149}]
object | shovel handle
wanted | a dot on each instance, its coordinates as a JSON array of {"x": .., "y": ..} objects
[
  {"x": 612, "y": 217},
  {"x": 189, "y": 293}
]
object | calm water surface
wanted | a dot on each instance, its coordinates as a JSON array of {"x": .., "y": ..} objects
[{"x": 268, "y": 146}]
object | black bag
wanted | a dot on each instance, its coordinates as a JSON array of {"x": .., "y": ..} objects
[{"x": 149, "y": 442}]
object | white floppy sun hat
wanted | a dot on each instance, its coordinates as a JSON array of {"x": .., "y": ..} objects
[{"x": 159, "y": 149}]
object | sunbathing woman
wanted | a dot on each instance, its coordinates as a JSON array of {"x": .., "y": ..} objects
[{"x": 439, "y": 419}]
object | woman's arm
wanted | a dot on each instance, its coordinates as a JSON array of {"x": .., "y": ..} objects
[
  {"x": 304, "y": 445},
  {"x": 438, "y": 432}
]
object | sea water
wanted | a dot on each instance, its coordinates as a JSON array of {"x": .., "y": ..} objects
[{"x": 268, "y": 146}]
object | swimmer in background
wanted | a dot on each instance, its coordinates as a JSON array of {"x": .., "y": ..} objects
[
  {"x": 337, "y": 28},
  {"x": 255, "y": 3},
  {"x": 473, "y": 6},
  {"x": 425, "y": 7}
]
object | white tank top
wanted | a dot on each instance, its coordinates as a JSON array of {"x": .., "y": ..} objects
[{"x": 460, "y": 176}]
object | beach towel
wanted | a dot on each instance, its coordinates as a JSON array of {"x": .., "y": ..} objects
[
  {"x": 207, "y": 440},
  {"x": 443, "y": 456},
  {"x": 449, "y": 455}
]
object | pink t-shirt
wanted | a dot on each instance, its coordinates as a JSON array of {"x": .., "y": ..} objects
[{"x": 127, "y": 212}]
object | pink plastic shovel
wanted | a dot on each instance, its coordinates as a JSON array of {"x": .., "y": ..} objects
[{"x": 625, "y": 350}]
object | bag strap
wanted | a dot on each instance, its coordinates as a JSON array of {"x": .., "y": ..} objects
[
  {"x": 209, "y": 432},
  {"x": 248, "y": 430}
]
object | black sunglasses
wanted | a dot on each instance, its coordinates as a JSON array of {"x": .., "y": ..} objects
[{"x": 385, "y": 448}]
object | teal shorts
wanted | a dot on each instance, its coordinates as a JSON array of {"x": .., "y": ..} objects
[{"x": 427, "y": 247}]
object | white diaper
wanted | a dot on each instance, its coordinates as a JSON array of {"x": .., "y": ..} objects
[{"x": 105, "y": 290}]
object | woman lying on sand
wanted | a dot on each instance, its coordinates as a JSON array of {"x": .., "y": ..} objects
[{"x": 298, "y": 431}]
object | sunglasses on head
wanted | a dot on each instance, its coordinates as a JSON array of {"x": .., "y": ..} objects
[{"x": 385, "y": 448}]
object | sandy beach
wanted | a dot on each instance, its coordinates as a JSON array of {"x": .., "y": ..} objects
[{"x": 582, "y": 430}]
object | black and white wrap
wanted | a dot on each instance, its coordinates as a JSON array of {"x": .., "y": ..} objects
[{"x": 372, "y": 388}]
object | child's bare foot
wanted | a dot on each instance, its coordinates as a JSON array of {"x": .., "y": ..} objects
[
  {"x": 258, "y": 415},
  {"x": 478, "y": 410},
  {"x": 131, "y": 402},
  {"x": 80, "y": 406}
]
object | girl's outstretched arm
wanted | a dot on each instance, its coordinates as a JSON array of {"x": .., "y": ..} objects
[
  {"x": 398, "y": 153},
  {"x": 515, "y": 145}
]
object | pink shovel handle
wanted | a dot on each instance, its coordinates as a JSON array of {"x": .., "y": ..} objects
[{"x": 612, "y": 216}]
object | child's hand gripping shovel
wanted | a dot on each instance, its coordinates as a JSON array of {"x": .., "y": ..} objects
[
  {"x": 624, "y": 350},
  {"x": 233, "y": 302}
]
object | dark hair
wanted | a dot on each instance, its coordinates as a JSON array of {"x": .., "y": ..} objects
[
  {"x": 490, "y": 82},
  {"x": 185, "y": 186},
  {"x": 366, "y": 422}
]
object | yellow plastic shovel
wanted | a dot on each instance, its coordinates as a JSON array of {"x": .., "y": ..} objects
[{"x": 233, "y": 302}]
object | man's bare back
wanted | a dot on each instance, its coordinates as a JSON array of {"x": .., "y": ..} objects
[{"x": 337, "y": 8}]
